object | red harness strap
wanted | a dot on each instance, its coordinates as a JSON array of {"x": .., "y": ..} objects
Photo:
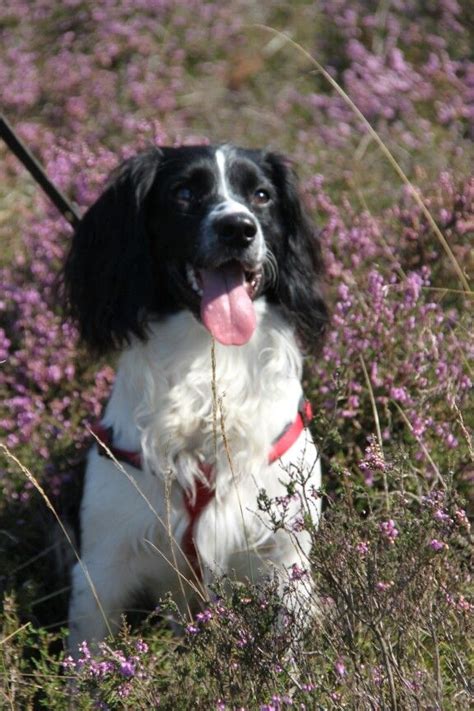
[
  {"x": 203, "y": 489},
  {"x": 291, "y": 433},
  {"x": 204, "y": 495},
  {"x": 106, "y": 437}
]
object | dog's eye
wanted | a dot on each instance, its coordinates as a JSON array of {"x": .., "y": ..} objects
[
  {"x": 261, "y": 197},
  {"x": 184, "y": 194}
]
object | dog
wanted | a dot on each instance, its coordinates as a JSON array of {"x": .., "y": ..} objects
[{"x": 201, "y": 267}]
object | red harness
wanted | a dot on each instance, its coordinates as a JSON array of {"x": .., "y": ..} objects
[{"x": 204, "y": 490}]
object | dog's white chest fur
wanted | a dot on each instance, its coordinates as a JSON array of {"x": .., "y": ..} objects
[
  {"x": 179, "y": 401},
  {"x": 181, "y": 405}
]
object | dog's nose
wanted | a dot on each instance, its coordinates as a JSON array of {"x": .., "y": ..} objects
[{"x": 238, "y": 229}]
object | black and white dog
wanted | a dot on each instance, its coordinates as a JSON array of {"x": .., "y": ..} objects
[{"x": 188, "y": 250}]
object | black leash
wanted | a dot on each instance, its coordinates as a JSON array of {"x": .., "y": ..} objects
[{"x": 34, "y": 168}]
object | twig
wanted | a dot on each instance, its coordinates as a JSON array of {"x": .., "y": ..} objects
[{"x": 12, "y": 634}]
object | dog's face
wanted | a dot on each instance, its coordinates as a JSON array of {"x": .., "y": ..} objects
[
  {"x": 213, "y": 223},
  {"x": 209, "y": 229}
]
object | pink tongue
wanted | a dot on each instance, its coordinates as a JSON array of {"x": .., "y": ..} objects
[{"x": 226, "y": 309}]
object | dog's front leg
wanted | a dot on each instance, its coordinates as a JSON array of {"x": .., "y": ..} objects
[{"x": 99, "y": 596}]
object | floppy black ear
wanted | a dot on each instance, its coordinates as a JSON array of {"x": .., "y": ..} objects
[
  {"x": 300, "y": 265},
  {"x": 107, "y": 276}
]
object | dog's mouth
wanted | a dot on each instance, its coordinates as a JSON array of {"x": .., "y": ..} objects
[{"x": 226, "y": 295}]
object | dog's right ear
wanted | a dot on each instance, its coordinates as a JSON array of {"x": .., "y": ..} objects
[{"x": 107, "y": 278}]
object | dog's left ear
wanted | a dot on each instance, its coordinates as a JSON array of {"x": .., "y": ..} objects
[{"x": 300, "y": 282}]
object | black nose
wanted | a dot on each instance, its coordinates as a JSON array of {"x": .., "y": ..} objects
[{"x": 237, "y": 229}]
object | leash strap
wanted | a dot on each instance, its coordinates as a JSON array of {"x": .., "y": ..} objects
[{"x": 36, "y": 171}]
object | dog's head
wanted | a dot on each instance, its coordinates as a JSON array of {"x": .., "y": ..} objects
[{"x": 209, "y": 229}]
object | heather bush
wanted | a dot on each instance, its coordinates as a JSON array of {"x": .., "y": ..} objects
[{"x": 87, "y": 84}]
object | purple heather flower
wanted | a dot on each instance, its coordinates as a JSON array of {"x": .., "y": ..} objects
[
  {"x": 297, "y": 524},
  {"x": 84, "y": 649},
  {"x": 141, "y": 646},
  {"x": 389, "y": 530},
  {"x": 100, "y": 669},
  {"x": 399, "y": 394},
  {"x": 204, "y": 616},
  {"x": 362, "y": 548},
  {"x": 373, "y": 461},
  {"x": 124, "y": 691},
  {"x": 461, "y": 519},
  {"x": 127, "y": 668},
  {"x": 192, "y": 629},
  {"x": 451, "y": 441},
  {"x": 437, "y": 545},
  {"x": 440, "y": 515},
  {"x": 69, "y": 664},
  {"x": 340, "y": 668},
  {"x": 383, "y": 585},
  {"x": 462, "y": 605},
  {"x": 243, "y": 639},
  {"x": 297, "y": 573}
]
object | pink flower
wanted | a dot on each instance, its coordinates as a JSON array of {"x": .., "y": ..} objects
[
  {"x": 372, "y": 462},
  {"x": 141, "y": 646},
  {"x": 123, "y": 691},
  {"x": 127, "y": 668},
  {"x": 192, "y": 629},
  {"x": 440, "y": 515},
  {"x": 69, "y": 664},
  {"x": 389, "y": 530},
  {"x": 204, "y": 616},
  {"x": 297, "y": 573},
  {"x": 383, "y": 585},
  {"x": 461, "y": 519},
  {"x": 340, "y": 667}
]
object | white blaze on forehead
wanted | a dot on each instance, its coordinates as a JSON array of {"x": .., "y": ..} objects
[
  {"x": 228, "y": 204},
  {"x": 223, "y": 187}
]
